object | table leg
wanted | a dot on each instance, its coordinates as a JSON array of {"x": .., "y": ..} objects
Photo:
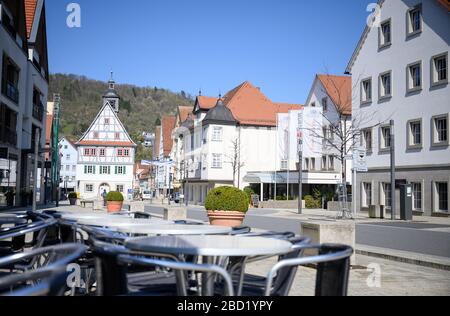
[{"x": 208, "y": 279}]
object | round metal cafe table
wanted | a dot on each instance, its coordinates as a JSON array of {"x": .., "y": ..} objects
[
  {"x": 210, "y": 247},
  {"x": 83, "y": 216},
  {"x": 122, "y": 222},
  {"x": 174, "y": 229}
]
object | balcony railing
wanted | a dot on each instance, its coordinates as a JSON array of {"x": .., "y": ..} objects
[
  {"x": 11, "y": 91},
  {"x": 38, "y": 111}
]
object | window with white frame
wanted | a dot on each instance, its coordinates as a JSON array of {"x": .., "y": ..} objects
[
  {"x": 67, "y": 168},
  {"x": 366, "y": 194},
  {"x": 217, "y": 161},
  {"x": 89, "y": 188},
  {"x": 102, "y": 152},
  {"x": 442, "y": 196},
  {"x": 440, "y": 130},
  {"x": 68, "y": 157},
  {"x": 89, "y": 169},
  {"x": 217, "y": 134},
  {"x": 366, "y": 90},
  {"x": 385, "y": 34},
  {"x": 439, "y": 69},
  {"x": 74, "y": 168},
  {"x": 313, "y": 164},
  {"x": 120, "y": 170},
  {"x": 417, "y": 195},
  {"x": 306, "y": 164},
  {"x": 366, "y": 139},
  {"x": 313, "y": 105},
  {"x": 284, "y": 164},
  {"x": 325, "y": 104},
  {"x": 386, "y": 84},
  {"x": 119, "y": 188},
  {"x": 414, "y": 133},
  {"x": 414, "y": 20},
  {"x": 330, "y": 162},
  {"x": 105, "y": 170},
  {"x": 324, "y": 162},
  {"x": 387, "y": 194},
  {"x": 414, "y": 76},
  {"x": 385, "y": 139}
]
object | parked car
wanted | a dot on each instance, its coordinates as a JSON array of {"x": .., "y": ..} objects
[{"x": 146, "y": 195}]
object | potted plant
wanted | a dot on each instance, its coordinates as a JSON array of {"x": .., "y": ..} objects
[
  {"x": 73, "y": 197},
  {"x": 114, "y": 202},
  {"x": 226, "y": 206}
]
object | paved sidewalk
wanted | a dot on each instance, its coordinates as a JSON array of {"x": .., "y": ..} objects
[{"x": 396, "y": 279}]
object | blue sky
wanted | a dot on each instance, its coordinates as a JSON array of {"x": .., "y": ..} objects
[{"x": 278, "y": 45}]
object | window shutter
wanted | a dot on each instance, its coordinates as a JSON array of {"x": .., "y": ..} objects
[
  {"x": 101, "y": 170},
  {"x": 109, "y": 170},
  {"x": 93, "y": 169},
  {"x": 85, "y": 169},
  {"x": 115, "y": 170},
  {"x": 124, "y": 170}
]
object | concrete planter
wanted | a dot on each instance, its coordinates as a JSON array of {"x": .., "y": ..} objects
[
  {"x": 73, "y": 201},
  {"x": 226, "y": 218},
  {"x": 114, "y": 207}
]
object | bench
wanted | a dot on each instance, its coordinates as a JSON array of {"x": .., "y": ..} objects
[{"x": 84, "y": 202}]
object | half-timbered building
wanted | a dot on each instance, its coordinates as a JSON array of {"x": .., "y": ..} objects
[{"x": 106, "y": 152}]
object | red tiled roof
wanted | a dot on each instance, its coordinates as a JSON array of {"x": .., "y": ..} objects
[
  {"x": 445, "y": 3},
  {"x": 339, "y": 89},
  {"x": 30, "y": 11},
  {"x": 206, "y": 103},
  {"x": 251, "y": 107},
  {"x": 157, "y": 142},
  {"x": 168, "y": 124},
  {"x": 183, "y": 112},
  {"x": 102, "y": 143}
]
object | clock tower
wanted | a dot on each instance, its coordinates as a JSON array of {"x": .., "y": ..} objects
[{"x": 111, "y": 95}]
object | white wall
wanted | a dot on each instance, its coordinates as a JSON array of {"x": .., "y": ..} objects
[{"x": 433, "y": 40}]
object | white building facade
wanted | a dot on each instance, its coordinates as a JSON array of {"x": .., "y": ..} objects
[
  {"x": 69, "y": 160},
  {"x": 106, "y": 153},
  {"x": 400, "y": 70}
]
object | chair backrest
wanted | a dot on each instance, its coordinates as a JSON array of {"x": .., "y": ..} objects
[
  {"x": 180, "y": 268},
  {"x": 285, "y": 276},
  {"x": 17, "y": 234},
  {"x": 241, "y": 230},
  {"x": 333, "y": 265},
  {"x": 332, "y": 276},
  {"x": 51, "y": 273}
]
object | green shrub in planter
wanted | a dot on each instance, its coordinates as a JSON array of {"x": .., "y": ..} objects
[
  {"x": 227, "y": 199},
  {"x": 73, "y": 195},
  {"x": 311, "y": 203},
  {"x": 114, "y": 197}
]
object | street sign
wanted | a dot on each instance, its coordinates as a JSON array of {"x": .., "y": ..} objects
[{"x": 359, "y": 160}]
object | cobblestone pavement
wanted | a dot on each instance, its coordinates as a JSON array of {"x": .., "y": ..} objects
[{"x": 397, "y": 279}]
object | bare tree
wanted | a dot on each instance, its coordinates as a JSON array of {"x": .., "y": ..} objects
[
  {"x": 234, "y": 158},
  {"x": 341, "y": 127}
]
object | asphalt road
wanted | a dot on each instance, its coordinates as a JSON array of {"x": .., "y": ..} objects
[{"x": 413, "y": 237}]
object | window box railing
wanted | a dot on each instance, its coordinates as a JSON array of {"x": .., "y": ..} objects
[
  {"x": 38, "y": 111},
  {"x": 11, "y": 91}
]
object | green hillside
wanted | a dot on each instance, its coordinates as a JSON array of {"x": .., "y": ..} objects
[{"x": 140, "y": 107}]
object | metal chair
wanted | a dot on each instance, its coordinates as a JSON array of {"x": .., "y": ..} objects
[
  {"x": 333, "y": 266},
  {"x": 13, "y": 239},
  {"x": 179, "y": 268},
  {"x": 48, "y": 275},
  {"x": 253, "y": 285}
]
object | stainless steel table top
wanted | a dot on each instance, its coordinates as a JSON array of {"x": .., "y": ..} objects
[
  {"x": 120, "y": 221},
  {"x": 211, "y": 246},
  {"x": 175, "y": 229}
]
